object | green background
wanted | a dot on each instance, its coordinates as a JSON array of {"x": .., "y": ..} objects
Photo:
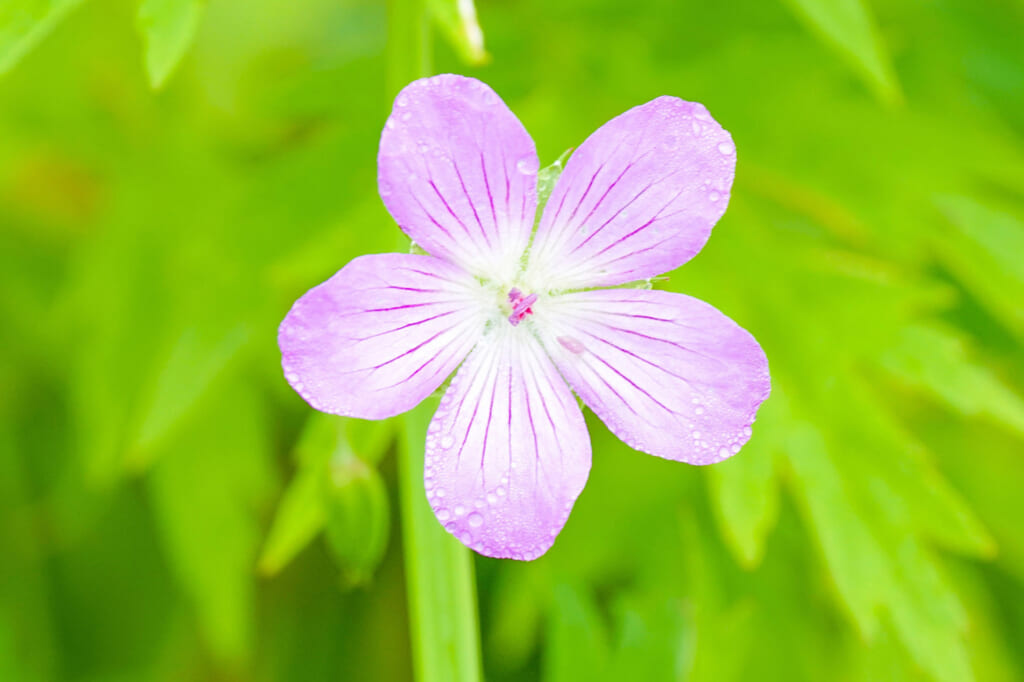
[{"x": 171, "y": 510}]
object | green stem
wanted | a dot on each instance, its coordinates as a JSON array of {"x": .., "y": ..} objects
[
  {"x": 439, "y": 574},
  {"x": 439, "y": 570}
]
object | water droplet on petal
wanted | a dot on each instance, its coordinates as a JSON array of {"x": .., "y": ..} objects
[
  {"x": 699, "y": 410},
  {"x": 406, "y": 115},
  {"x": 500, "y": 491},
  {"x": 439, "y": 492},
  {"x": 714, "y": 196},
  {"x": 447, "y": 441},
  {"x": 526, "y": 166},
  {"x": 570, "y": 344},
  {"x": 443, "y": 515},
  {"x": 726, "y": 147},
  {"x": 723, "y": 452},
  {"x": 492, "y": 498},
  {"x": 460, "y": 510},
  {"x": 475, "y": 520}
]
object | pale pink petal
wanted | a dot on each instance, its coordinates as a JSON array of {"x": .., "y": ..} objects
[
  {"x": 380, "y": 335},
  {"x": 458, "y": 172},
  {"x": 508, "y": 451},
  {"x": 670, "y": 375},
  {"x": 638, "y": 198}
]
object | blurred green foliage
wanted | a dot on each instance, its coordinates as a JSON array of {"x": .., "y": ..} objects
[{"x": 170, "y": 510}]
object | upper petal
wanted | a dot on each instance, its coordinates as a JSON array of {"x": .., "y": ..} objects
[
  {"x": 670, "y": 375},
  {"x": 638, "y": 198},
  {"x": 508, "y": 451},
  {"x": 380, "y": 335},
  {"x": 458, "y": 172}
]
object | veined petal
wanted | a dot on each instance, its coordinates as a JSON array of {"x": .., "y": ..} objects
[
  {"x": 638, "y": 198},
  {"x": 458, "y": 172},
  {"x": 670, "y": 375},
  {"x": 508, "y": 451},
  {"x": 380, "y": 335}
]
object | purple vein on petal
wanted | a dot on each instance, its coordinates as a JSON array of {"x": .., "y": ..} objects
[{"x": 472, "y": 205}]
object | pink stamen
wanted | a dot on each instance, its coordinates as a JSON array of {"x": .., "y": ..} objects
[{"x": 520, "y": 305}]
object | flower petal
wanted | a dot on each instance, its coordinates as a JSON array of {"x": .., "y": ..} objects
[
  {"x": 670, "y": 375},
  {"x": 458, "y": 172},
  {"x": 508, "y": 451},
  {"x": 380, "y": 335},
  {"x": 638, "y": 198}
]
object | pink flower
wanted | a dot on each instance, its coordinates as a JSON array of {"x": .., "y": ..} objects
[{"x": 519, "y": 312}]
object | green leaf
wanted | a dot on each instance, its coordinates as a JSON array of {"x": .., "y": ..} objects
[
  {"x": 206, "y": 489},
  {"x": 301, "y": 515},
  {"x": 855, "y": 558},
  {"x": 744, "y": 489},
  {"x": 23, "y": 23},
  {"x": 983, "y": 251},
  {"x": 848, "y": 27},
  {"x": 199, "y": 356},
  {"x": 650, "y": 642},
  {"x": 358, "y": 518},
  {"x": 168, "y": 28},
  {"x": 936, "y": 360},
  {"x": 577, "y": 640},
  {"x": 457, "y": 20}
]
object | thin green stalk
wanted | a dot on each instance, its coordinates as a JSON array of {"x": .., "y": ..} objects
[
  {"x": 439, "y": 570},
  {"x": 439, "y": 574}
]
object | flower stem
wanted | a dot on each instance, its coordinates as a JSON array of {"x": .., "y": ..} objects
[
  {"x": 439, "y": 574},
  {"x": 439, "y": 571}
]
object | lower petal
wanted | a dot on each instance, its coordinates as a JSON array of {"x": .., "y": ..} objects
[
  {"x": 508, "y": 451},
  {"x": 670, "y": 375},
  {"x": 379, "y": 336}
]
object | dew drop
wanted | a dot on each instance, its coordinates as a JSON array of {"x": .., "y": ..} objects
[
  {"x": 406, "y": 115},
  {"x": 571, "y": 344},
  {"x": 479, "y": 504},
  {"x": 500, "y": 491},
  {"x": 443, "y": 515},
  {"x": 460, "y": 510},
  {"x": 723, "y": 452},
  {"x": 735, "y": 448},
  {"x": 526, "y": 166},
  {"x": 714, "y": 196},
  {"x": 699, "y": 410},
  {"x": 696, "y": 435},
  {"x": 726, "y": 147},
  {"x": 492, "y": 498},
  {"x": 696, "y": 127},
  {"x": 401, "y": 101},
  {"x": 747, "y": 432},
  {"x": 439, "y": 492},
  {"x": 475, "y": 520},
  {"x": 447, "y": 441}
]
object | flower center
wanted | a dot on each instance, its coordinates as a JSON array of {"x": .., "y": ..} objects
[{"x": 520, "y": 305}]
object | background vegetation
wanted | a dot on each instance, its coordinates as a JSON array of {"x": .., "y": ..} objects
[{"x": 173, "y": 175}]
